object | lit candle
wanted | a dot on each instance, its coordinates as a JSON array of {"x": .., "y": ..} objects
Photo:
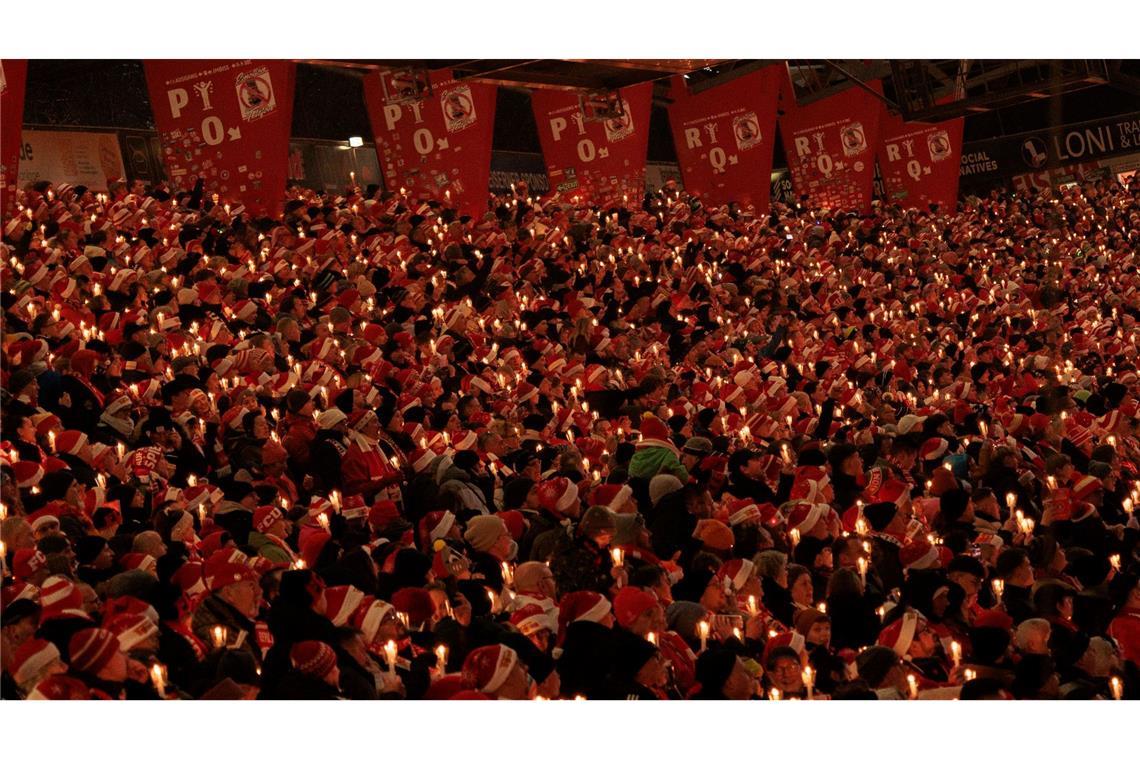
[
  {"x": 1011, "y": 500},
  {"x": 738, "y": 633},
  {"x": 508, "y": 574},
  {"x": 999, "y": 587},
  {"x": 809, "y": 681},
  {"x": 912, "y": 683},
  {"x": 1117, "y": 687},
  {"x": 618, "y": 556},
  {"x": 1114, "y": 560},
  {"x": 323, "y": 519},
  {"x": 390, "y": 651},
  {"x": 794, "y": 536},
  {"x": 219, "y": 635},
  {"x": 956, "y": 653},
  {"x": 703, "y": 631},
  {"x": 822, "y": 607},
  {"x": 752, "y": 607},
  {"x": 158, "y": 678},
  {"x": 862, "y": 563},
  {"x": 441, "y": 656},
  {"x": 969, "y": 674},
  {"x": 651, "y": 637},
  {"x": 774, "y": 695}
]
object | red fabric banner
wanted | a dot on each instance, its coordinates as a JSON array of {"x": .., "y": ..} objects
[
  {"x": 13, "y": 77},
  {"x": 919, "y": 162},
  {"x": 830, "y": 146},
  {"x": 602, "y": 160},
  {"x": 725, "y": 137},
  {"x": 228, "y": 123},
  {"x": 436, "y": 146}
]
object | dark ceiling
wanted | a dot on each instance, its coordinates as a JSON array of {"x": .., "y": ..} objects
[{"x": 1007, "y": 96}]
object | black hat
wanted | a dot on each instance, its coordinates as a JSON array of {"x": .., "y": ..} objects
[
  {"x": 880, "y": 514},
  {"x": 88, "y": 548},
  {"x": 714, "y": 666},
  {"x": 874, "y": 663}
]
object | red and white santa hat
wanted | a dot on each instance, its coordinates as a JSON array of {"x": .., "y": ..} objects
[
  {"x": 919, "y": 555},
  {"x": 531, "y": 618},
  {"x": 487, "y": 668},
  {"x": 370, "y": 613},
  {"x": 583, "y": 605},
  {"x": 31, "y": 657},
  {"x": 341, "y": 602},
  {"x": 609, "y": 495},
  {"x": 805, "y": 515},
  {"x": 557, "y": 495},
  {"x": 736, "y": 572},
  {"x": 899, "y": 634}
]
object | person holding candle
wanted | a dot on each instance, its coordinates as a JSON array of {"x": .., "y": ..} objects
[
  {"x": 234, "y": 603},
  {"x": 585, "y": 563},
  {"x": 1015, "y": 571}
]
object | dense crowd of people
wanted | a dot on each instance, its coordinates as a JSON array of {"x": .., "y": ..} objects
[{"x": 371, "y": 448}]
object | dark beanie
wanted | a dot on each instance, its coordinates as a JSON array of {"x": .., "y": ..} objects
[
  {"x": 295, "y": 400},
  {"x": 880, "y": 514},
  {"x": 714, "y": 666},
  {"x": 87, "y": 548},
  {"x": 597, "y": 520},
  {"x": 515, "y": 493},
  {"x": 1090, "y": 569},
  {"x": 874, "y": 663},
  {"x": 952, "y": 505},
  {"x": 632, "y": 654},
  {"x": 988, "y": 644}
]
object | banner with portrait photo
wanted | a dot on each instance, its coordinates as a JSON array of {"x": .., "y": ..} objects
[{"x": 226, "y": 123}]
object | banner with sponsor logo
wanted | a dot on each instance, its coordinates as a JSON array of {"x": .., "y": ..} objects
[
  {"x": 435, "y": 143},
  {"x": 91, "y": 159},
  {"x": 1042, "y": 154},
  {"x": 919, "y": 161},
  {"x": 226, "y": 123},
  {"x": 725, "y": 137},
  {"x": 830, "y": 148},
  {"x": 13, "y": 77},
  {"x": 599, "y": 159}
]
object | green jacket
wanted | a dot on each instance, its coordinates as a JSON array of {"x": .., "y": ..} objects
[
  {"x": 266, "y": 548},
  {"x": 656, "y": 460}
]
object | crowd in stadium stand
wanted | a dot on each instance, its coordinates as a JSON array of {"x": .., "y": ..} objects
[{"x": 373, "y": 448}]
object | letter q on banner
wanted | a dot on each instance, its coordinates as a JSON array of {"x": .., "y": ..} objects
[
  {"x": 226, "y": 123},
  {"x": 830, "y": 147},
  {"x": 919, "y": 162},
  {"x": 725, "y": 137}
]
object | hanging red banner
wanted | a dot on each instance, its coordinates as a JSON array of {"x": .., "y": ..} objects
[
  {"x": 600, "y": 159},
  {"x": 227, "y": 123},
  {"x": 830, "y": 148},
  {"x": 434, "y": 142},
  {"x": 13, "y": 78},
  {"x": 919, "y": 162},
  {"x": 725, "y": 137}
]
